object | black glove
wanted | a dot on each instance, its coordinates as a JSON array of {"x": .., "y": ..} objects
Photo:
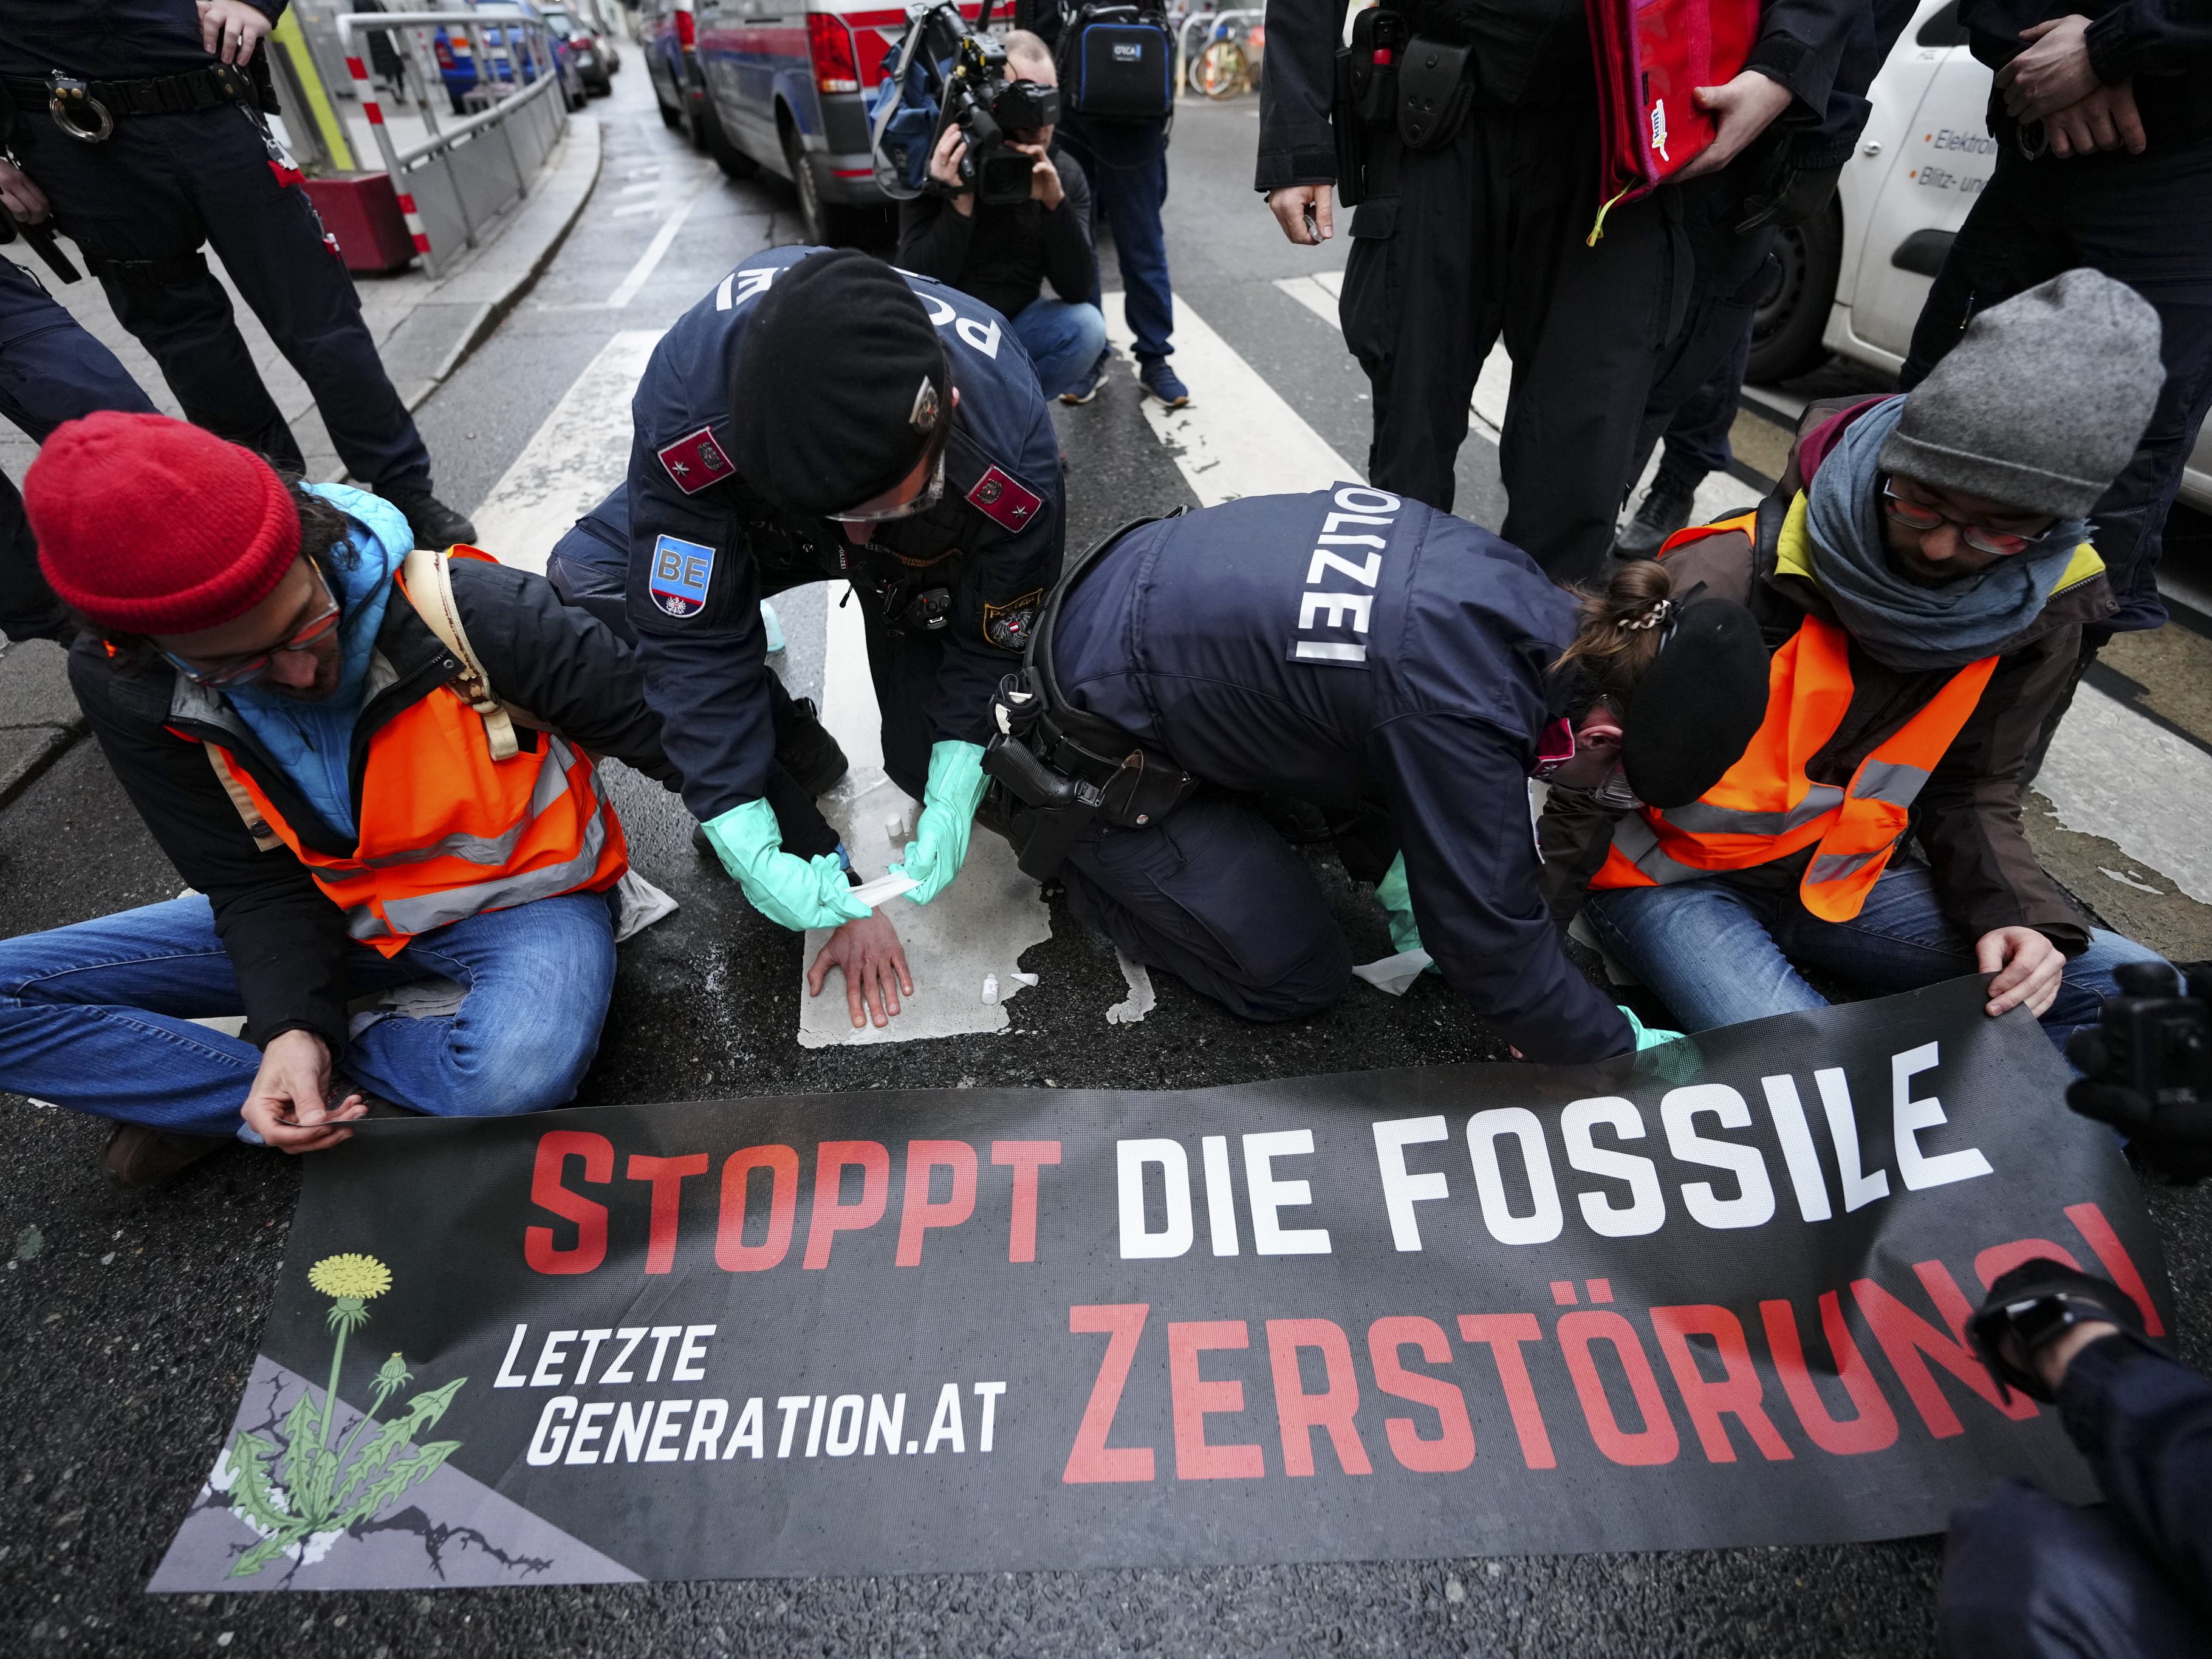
[
  {"x": 2031, "y": 1307},
  {"x": 2150, "y": 1067}
]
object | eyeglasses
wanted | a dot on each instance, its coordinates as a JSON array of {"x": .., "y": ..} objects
[
  {"x": 931, "y": 494},
  {"x": 241, "y": 670},
  {"x": 1917, "y": 515}
]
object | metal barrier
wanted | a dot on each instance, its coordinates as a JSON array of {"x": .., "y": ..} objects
[
  {"x": 1205, "y": 20},
  {"x": 460, "y": 178}
]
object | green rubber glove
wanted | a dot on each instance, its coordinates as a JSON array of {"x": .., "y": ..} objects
[
  {"x": 789, "y": 891},
  {"x": 949, "y": 801},
  {"x": 1647, "y": 1036},
  {"x": 1398, "y": 904}
]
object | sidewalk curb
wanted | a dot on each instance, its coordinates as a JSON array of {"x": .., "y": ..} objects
[{"x": 460, "y": 312}]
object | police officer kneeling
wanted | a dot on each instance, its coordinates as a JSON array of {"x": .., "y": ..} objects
[
  {"x": 1357, "y": 651},
  {"x": 820, "y": 415}
]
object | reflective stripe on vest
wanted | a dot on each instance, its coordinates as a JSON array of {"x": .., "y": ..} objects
[
  {"x": 1766, "y": 808},
  {"x": 446, "y": 832}
]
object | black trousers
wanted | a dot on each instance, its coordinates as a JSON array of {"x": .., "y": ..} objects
[
  {"x": 1214, "y": 896},
  {"x": 2142, "y": 219},
  {"x": 2025, "y": 1576},
  {"x": 1488, "y": 236},
  {"x": 150, "y": 196},
  {"x": 51, "y": 371}
]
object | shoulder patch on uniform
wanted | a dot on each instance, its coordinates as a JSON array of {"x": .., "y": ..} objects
[
  {"x": 695, "y": 461},
  {"x": 680, "y": 575},
  {"x": 998, "y": 497},
  {"x": 1007, "y": 626}
]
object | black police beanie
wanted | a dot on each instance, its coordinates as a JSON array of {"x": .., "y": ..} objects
[
  {"x": 839, "y": 382},
  {"x": 1698, "y": 706}
]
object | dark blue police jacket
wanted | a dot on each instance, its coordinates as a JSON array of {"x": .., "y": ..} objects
[
  {"x": 699, "y": 536},
  {"x": 1349, "y": 646},
  {"x": 110, "y": 41}
]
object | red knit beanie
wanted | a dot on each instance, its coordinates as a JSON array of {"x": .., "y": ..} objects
[{"x": 150, "y": 526}]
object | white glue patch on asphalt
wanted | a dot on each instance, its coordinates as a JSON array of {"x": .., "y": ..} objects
[
  {"x": 2098, "y": 775},
  {"x": 1237, "y": 437},
  {"x": 975, "y": 930},
  {"x": 580, "y": 452},
  {"x": 1138, "y": 1003}
]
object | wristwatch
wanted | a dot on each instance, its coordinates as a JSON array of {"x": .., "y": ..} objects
[{"x": 2034, "y": 1323}]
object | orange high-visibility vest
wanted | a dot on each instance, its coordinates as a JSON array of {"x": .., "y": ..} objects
[
  {"x": 447, "y": 832},
  {"x": 1765, "y": 807}
]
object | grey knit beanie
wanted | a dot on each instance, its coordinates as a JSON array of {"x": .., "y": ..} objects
[{"x": 2041, "y": 403}]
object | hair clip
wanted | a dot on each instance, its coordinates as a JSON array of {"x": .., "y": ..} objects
[{"x": 1661, "y": 609}]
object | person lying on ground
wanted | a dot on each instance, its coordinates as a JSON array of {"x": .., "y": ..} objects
[
  {"x": 1922, "y": 576},
  {"x": 1393, "y": 667},
  {"x": 258, "y": 667}
]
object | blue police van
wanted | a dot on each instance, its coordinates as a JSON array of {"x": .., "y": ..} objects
[{"x": 790, "y": 87}]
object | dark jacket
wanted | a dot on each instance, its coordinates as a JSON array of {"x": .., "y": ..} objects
[
  {"x": 1526, "y": 50},
  {"x": 1354, "y": 655},
  {"x": 706, "y": 663},
  {"x": 2163, "y": 46},
  {"x": 286, "y": 941},
  {"x": 1003, "y": 255},
  {"x": 106, "y": 40},
  {"x": 1967, "y": 816},
  {"x": 2143, "y": 1421}
]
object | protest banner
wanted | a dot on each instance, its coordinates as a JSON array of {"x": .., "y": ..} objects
[{"x": 1713, "y": 1294}]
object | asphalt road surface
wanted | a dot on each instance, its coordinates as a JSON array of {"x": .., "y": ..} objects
[{"x": 128, "y": 1323}]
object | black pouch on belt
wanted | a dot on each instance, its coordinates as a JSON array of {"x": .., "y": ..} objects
[
  {"x": 1435, "y": 92},
  {"x": 1366, "y": 110}
]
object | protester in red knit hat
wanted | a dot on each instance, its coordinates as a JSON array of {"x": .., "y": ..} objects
[{"x": 344, "y": 791}]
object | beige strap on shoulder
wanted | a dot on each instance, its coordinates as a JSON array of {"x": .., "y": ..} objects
[
  {"x": 427, "y": 580},
  {"x": 265, "y": 838}
]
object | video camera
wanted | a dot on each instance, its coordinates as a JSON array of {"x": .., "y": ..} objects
[
  {"x": 2149, "y": 1066},
  {"x": 987, "y": 105},
  {"x": 944, "y": 74}
]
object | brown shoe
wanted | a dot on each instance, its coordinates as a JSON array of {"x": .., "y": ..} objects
[{"x": 138, "y": 1157}]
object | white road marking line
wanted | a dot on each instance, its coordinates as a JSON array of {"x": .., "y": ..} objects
[
  {"x": 633, "y": 210},
  {"x": 643, "y": 187},
  {"x": 655, "y": 251},
  {"x": 579, "y": 453},
  {"x": 2096, "y": 776},
  {"x": 1237, "y": 437},
  {"x": 977, "y": 927}
]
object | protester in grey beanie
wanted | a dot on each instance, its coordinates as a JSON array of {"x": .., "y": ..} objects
[{"x": 2042, "y": 403}]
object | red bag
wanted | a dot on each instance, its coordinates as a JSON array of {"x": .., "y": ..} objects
[{"x": 1649, "y": 54}]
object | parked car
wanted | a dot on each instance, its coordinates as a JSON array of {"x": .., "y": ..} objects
[
  {"x": 1852, "y": 280},
  {"x": 590, "y": 51},
  {"x": 459, "y": 69},
  {"x": 668, "y": 32},
  {"x": 791, "y": 86}
]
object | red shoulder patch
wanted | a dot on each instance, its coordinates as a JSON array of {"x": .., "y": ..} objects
[
  {"x": 1001, "y": 499},
  {"x": 695, "y": 461}
]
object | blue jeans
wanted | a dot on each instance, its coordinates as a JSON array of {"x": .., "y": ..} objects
[
  {"x": 1063, "y": 341},
  {"x": 1128, "y": 173},
  {"x": 1718, "y": 950},
  {"x": 98, "y": 1017}
]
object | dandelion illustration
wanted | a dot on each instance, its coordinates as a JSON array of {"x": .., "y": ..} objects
[{"x": 317, "y": 1493}]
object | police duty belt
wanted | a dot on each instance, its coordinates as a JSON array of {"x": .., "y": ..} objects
[{"x": 87, "y": 110}]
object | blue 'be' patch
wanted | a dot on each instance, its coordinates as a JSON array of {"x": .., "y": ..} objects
[{"x": 681, "y": 571}]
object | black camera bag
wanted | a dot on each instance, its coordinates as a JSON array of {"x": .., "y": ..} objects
[{"x": 1117, "y": 62}]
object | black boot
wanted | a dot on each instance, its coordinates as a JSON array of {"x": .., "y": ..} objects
[
  {"x": 1665, "y": 509},
  {"x": 805, "y": 749},
  {"x": 435, "y": 524},
  {"x": 138, "y": 1156}
]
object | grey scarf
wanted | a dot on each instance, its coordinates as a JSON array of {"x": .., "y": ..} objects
[{"x": 1902, "y": 625}]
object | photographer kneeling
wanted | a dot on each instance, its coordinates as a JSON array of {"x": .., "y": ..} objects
[{"x": 1003, "y": 254}]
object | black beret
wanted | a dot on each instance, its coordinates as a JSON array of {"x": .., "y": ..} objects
[
  {"x": 1698, "y": 706},
  {"x": 839, "y": 385}
]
